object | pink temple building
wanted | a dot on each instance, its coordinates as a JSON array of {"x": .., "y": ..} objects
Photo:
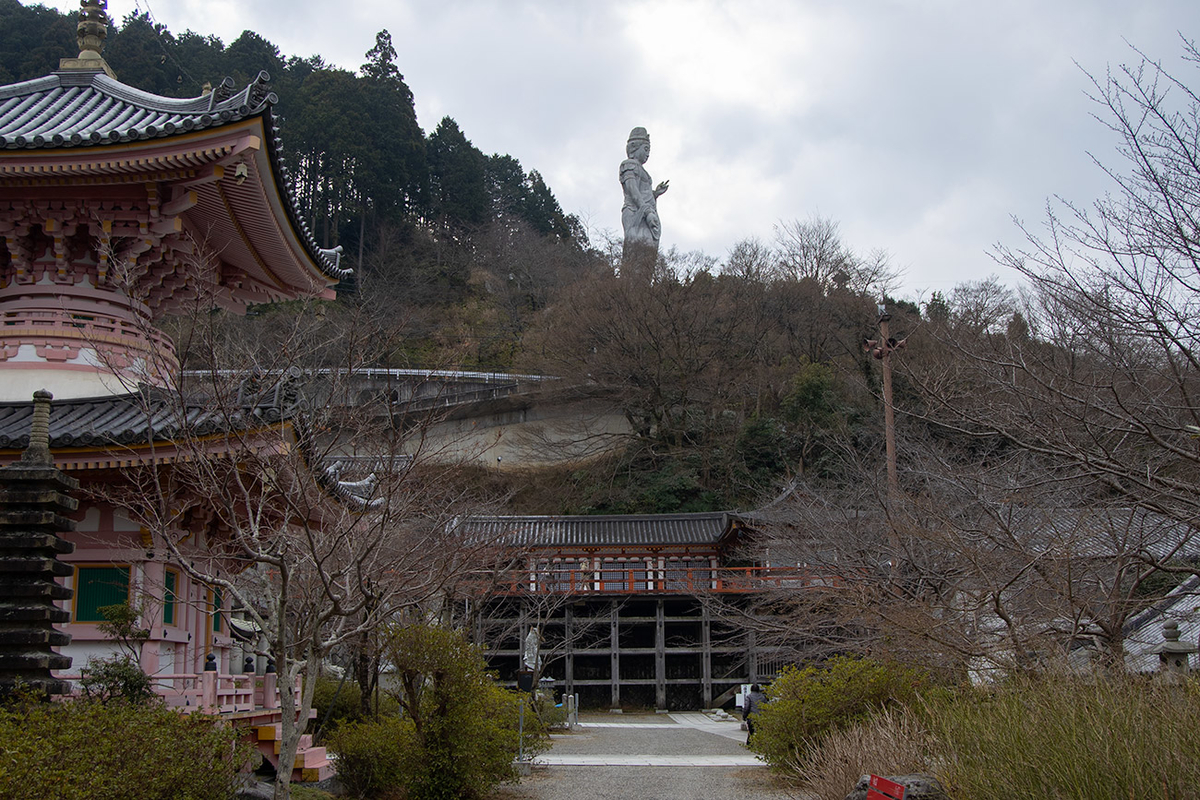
[{"x": 116, "y": 208}]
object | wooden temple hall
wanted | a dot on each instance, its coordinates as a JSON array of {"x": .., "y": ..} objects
[{"x": 631, "y": 611}]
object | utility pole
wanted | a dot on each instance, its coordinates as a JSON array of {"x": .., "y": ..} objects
[
  {"x": 882, "y": 349},
  {"x": 889, "y": 410}
]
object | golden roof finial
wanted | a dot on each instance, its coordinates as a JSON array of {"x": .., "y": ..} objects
[
  {"x": 90, "y": 34},
  {"x": 93, "y": 27}
]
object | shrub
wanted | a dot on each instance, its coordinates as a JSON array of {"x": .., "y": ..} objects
[
  {"x": 119, "y": 677},
  {"x": 116, "y": 678},
  {"x": 336, "y": 703},
  {"x": 458, "y": 735},
  {"x": 806, "y": 705},
  {"x": 893, "y": 742},
  {"x": 550, "y": 714},
  {"x": 116, "y": 750},
  {"x": 465, "y": 725},
  {"x": 336, "y": 706},
  {"x": 1062, "y": 737},
  {"x": 374, "y": 756}
]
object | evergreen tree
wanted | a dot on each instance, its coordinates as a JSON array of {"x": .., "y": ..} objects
[
  {"x": 32, "y": 40},
  {"x": 542, "y": 210},
  {"x": 457, "y": 180},
  {"x": 249, "y": 54},
  {"x": 200, "y": 60},
  {"x": 324, "y": 139},
  {"x": 506, "y": 187},
  {"x": 394, "y": 144},
  {"x": 139, "y": 52},
  {"x": 381, "y": 60}
]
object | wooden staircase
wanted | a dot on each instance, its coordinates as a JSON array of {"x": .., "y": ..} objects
[{"x": 311, "y": 764}]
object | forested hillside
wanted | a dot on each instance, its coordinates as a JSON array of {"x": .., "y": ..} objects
[
  {"x": 743, "y": 378},
  {"x": 735, "y": 374}
]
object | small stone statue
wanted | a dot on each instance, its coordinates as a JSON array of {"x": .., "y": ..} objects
[
  {"x": 529, "y": 653},
  {"x": 639, "y": 215}
]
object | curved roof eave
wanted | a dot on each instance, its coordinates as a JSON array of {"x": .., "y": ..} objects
[{"x": 72, "y": 111}]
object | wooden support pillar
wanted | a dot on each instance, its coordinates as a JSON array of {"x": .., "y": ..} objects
[
  {"x": 153, "y": 596},
  {"x": 569, "y": 647},
  {"x": 476, "y": 620},
  {"x": 706, "y": 656},
  {"x": 614, "y": 658},
  {"x": 522, "y": 632},
  {"x": 752, "y": 657},
  {"x": 660, "y": 655},
  {"x": 192, "y": 613}
]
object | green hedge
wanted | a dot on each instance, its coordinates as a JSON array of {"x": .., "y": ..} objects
[
  {"x": 106, "y": 751},
  {"x": 458, "y": 734},
  {"x": 375, "y": 757},
  {"x": 805, "y": 705}
]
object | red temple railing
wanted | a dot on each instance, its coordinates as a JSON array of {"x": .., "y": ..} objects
[{"x": 638, "y": 579}]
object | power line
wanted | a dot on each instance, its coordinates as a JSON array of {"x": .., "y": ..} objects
[{"x": 143, "y": 7}]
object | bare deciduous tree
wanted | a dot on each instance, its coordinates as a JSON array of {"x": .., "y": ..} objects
[
  {"x": 1099, "y": 372},
  {"x": 284, "y": 480}
]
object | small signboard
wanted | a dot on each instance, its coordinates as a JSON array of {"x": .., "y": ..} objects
[{"x": 883, "y": 789}]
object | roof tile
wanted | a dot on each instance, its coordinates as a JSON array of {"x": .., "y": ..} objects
[{"x": 602, "y": 531}]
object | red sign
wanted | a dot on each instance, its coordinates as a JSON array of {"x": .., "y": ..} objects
[{"x": 883, "y": 789}]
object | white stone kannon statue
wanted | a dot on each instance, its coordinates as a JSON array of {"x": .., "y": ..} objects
[
  {"x": 530, "y": 659},
  {"x": 639, "y": 215}
]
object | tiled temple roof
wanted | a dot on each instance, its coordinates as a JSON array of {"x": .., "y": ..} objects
[
  {"x": 75, "y": 109},
  {"x": 127, "y": 420},
  {"x": 151, "y": 415},
  {"x": 80, "y": 109},
  {"x": 640, "y": 530}
]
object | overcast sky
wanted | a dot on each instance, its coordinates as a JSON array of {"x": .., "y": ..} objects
[{"x": 921, "y": 126}]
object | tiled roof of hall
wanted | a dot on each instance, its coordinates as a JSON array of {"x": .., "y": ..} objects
[
  {"x": 604, "y": 531},
  {"x": 74, "y": 108}
]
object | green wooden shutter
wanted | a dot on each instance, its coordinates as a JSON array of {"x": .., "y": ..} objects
[
  {"x": 96, "y": 587},
  {"x": 217, "y": 603},
  {"x": 169, "y": 589}
]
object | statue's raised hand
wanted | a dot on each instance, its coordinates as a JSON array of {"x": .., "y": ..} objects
[{"x": 661, "y": 188}]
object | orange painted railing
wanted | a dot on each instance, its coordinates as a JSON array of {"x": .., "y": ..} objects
[{"x": 611, "y": 579}]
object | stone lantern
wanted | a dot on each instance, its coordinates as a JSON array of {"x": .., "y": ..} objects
[{"x": 1172, "y": 653}]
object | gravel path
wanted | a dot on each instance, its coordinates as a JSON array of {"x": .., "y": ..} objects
[{"x": 622, "y": 741}]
